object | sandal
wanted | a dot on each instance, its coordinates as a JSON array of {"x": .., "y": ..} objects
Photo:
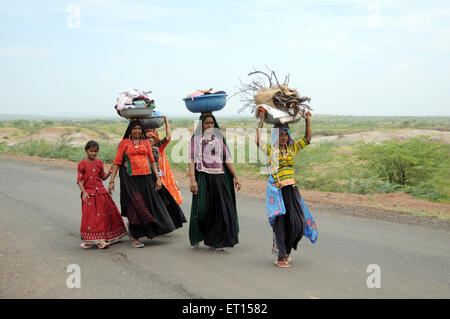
[
  {"x": 282, "y": 264},
  {"x": 216, "y": 249},
  {"x": 103, "y": 245},
  {"x": 137, "y": 245},
  {"x": 197, "y": 245},
  {"x": 86, "y": 245}
]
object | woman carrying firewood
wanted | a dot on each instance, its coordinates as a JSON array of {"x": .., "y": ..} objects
[{"x": 286, "y": 210}]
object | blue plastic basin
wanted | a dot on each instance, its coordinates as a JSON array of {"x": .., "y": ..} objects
[{"x": 206, "y": 103}]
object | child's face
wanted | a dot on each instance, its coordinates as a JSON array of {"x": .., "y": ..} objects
[
  {"x": 284, "y": 138},
  {"x": 92, "y": 153},
  {"x": 152, "y": 140}
]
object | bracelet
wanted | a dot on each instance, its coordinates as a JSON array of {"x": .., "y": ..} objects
[{"x": 111, "y": 182}]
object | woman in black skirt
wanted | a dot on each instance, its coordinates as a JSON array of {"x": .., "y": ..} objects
[
  {"x": 285, "y": 207},
  {"x": 213, "y": 178},
  {"x": 140, "y": 202}
]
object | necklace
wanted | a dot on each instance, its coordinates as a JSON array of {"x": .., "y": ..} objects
[{"x": 138, "y": 144}]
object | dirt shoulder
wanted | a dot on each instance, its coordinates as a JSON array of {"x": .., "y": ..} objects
[{"x": 396, "y": 207}]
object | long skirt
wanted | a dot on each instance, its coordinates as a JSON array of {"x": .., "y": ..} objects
[
  {"x": 289, "y": 228},
  {"x": 101, "y": 220},
  {"x": 174, "y": 210},
  {"x": 140, "y": 203},
  {"x": 213, "y": 213}
]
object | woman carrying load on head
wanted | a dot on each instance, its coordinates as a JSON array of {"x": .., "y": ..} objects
[
  {"x": 139, "y": 200},
  {"x": 213, "y": 178},
  {"x": 159, "y": 154},
  {"x": 285, "y": 207},
  {"x": 169, "y": 190}
]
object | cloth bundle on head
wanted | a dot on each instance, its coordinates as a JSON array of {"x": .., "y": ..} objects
[{"x": 168, "y": 179}]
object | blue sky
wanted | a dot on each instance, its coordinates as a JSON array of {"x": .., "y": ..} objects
[{"x": 352, "y": 57}]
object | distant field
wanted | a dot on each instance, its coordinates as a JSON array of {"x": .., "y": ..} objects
[{"x": 333, "y": 162}]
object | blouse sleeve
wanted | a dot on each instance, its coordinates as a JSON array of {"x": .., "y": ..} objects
[
  {"x": 266, "y": 149},
  {"x": 163, "y": 145},
  {"x": 226, "y": 154},
  {"x": 300, "y": 144},
  {"x": 80, "y": 172},
  {"x": 191, "y": 149},
  {"x": 120, "y": 152},
  {"x": 101, "y": 170}
]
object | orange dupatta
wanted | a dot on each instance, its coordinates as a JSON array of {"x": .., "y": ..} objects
[{"x": 168, "y": 178}]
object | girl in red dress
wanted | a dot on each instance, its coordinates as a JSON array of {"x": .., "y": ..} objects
[{"x": 101, "y": 222}]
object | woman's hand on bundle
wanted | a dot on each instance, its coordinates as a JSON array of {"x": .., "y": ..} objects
[
  {"x": 308, "y": 115},
  {"x": 262, "y": 117}
]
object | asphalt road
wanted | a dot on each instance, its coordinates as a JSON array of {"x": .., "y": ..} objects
[{"x": 40, "y": 214}]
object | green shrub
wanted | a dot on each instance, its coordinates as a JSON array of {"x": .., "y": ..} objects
[{"x": 405, "y": 163}]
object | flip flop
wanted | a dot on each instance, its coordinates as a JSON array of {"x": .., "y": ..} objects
[
  {"x": 137, "y": 245},
  {"x": 216, "y": 249},
  {"x": 197, "y": 245},
  {"x": 282, "y": 264},
  {"x": 86, "y": 245}
]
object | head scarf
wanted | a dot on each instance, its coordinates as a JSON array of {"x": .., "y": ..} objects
[
  {"x": 276, "y": 131},
  {"x": 153, "y": 133},
  {"x": 131, "y": 126},
  {"x": 199, "y": 129}
]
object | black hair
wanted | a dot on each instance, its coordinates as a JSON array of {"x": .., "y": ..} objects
[
  {"x": 91, "y": 144},
  {"x": 131, "y": 126}
]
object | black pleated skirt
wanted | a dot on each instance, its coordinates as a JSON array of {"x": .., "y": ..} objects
[
  {"x": 290, "y": 227},
  {"x": 213, "y": 214},
  {"x": 174, "y": 210},
  {"x": 143, "y": 206}
]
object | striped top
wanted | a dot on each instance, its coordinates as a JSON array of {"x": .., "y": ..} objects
[{"x": 281, "y": 165}]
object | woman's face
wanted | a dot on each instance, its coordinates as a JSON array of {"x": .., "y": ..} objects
[
  {"x": 136, "y": 132},
  {"x": 283, "y": 138},
  {"x": 207, "y": 124},
  {"x": 152, "y": 140}
]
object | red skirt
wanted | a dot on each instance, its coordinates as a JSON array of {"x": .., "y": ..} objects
[{"x": 101, "y": 220}]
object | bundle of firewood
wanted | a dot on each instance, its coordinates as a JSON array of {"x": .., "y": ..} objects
[{"x": 273, "y": 94}]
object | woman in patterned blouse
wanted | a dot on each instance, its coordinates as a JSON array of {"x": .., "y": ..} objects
[
  {"x": 213, "y": 178},
  {"x": 139, "y": 200},
  {"x": 284, "y": 203}
]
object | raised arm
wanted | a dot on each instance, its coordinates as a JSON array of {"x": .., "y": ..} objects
[
  {"x": 262, "y": 116},
  {"x": 168, "y": 131},
  {"x": 308, "y": 132}
]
